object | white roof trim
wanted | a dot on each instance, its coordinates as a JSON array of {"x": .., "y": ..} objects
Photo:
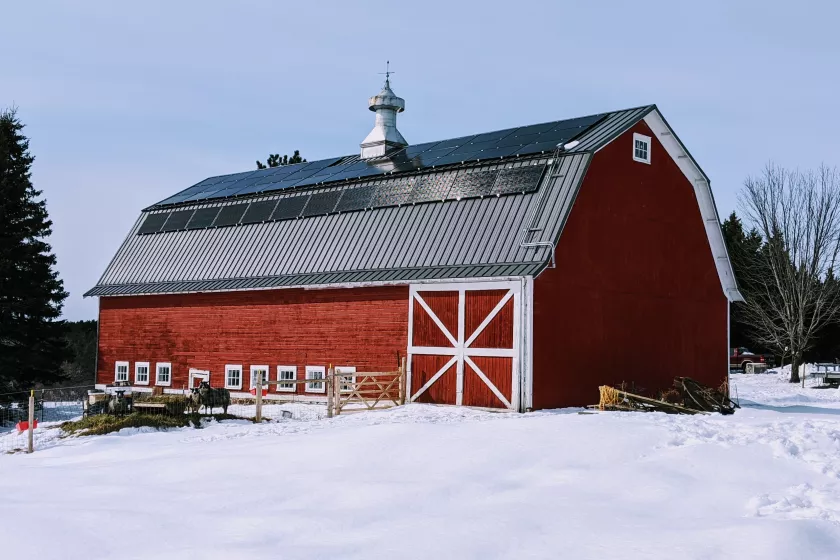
[{"x": 703, "y": 191}]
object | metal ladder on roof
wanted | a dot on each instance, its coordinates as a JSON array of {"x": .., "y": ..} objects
[{"x": 530, "y": 229}]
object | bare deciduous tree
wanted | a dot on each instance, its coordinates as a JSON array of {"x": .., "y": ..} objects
[{"x": 794, "y": 290}]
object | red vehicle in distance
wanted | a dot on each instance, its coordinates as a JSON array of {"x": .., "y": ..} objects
[{"x": 740, "y": 357}]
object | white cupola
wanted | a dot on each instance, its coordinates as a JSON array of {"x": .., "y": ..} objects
[{"x": 384, "y": 137}]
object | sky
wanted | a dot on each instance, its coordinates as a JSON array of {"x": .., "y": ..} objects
[{"x": 126, "y": 103}]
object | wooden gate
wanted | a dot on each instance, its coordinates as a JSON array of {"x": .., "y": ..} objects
[{"x": 464, "y": 344}]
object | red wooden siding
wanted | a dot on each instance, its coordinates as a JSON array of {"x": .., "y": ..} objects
[
  {"x": 635, "y": 296},
  {"x": 362, "y": 327},
  {"x": 499, "y": 331},
  {"x": 423, "y": 368},
  {"x": 498, "y": 371},
  {"x": 445, "y": 306}
]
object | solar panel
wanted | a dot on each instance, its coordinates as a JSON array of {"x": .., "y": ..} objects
[
  {"x": 276, "y": 174},
  {"x": 451, "y": 158},
  {"x": 477, "y": 147},
  {"x": 537, "y": 147},
  {"x": 496, "y": 144},
  {"x": 230, "y": 215},
  {"x": 478, "y": 183},
  {"x": 433, "y": 186},
  {"x": 289, "y": 207},
  {"x": 321, "y": 203},
  {"x": 259, "y": 212},
  {"x": 412, "y": 151},
  {"x": 494, "y": 136},
  {"x": 535, "y": 128},
  {"x": 322, "y": 176},
  {"x": 202, "y": 218},
  {"x": 518, "y": 179},
  {"x": 393, "y": 192},
  {"x": 355, "y": 199},
  {"x": 496, "y": 153},
  {"x": 177, "y": 220},
  {"x": 518, "y": 140},
  {"x": 455, "y": 142},
  {"x": 153, "y": 223}
]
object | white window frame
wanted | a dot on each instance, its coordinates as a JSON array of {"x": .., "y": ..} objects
[
  {"x": 200, "y": 375},
  {"x": 137, "y": 366},
  {"x": 267, "y": 369},
  {"x": 293, "y": 387},
  {"x": 233, "y": 367},
  {"x": 312, "y": 370},
  {"x": 346, "y": 369},
  {"x": 641, "y": 138},
  {"x": 158, "y": 382},
  {"x": 117, "y": 367}
]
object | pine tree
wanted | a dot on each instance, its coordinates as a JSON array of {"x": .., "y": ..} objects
[
  {"x": 32, "y": 345},
  {"x": 274, "y": 160},
  {"x": 743, "y": 248}
]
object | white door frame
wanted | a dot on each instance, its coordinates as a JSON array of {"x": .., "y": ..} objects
[
  {"x": 202, "y": 374},
  {"x": 460, "y": 350}
]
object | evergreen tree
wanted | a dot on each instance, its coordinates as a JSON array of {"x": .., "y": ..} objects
[
  {"x": 274, "y": 160},
  {"x": 81, "y": 340},
  {"x": 742, "y": 248},
  {"x": 32, "y": 345}
]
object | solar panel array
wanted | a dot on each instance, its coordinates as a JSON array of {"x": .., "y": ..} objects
[
  {"x": 526, "y": 140},
  {"x": 427, "y": 187}
]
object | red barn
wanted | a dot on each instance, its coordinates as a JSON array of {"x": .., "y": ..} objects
[{"x": 515, "y": 269}]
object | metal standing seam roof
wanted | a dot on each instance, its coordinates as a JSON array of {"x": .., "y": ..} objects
[{"x": 461, "y": 238}]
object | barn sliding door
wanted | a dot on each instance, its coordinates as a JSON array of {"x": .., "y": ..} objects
[{"x": 463, "y": 344}]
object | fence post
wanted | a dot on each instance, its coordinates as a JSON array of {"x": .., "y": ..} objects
[
  {"x": 30, "y": 446},
  {"x": 403, "y": 376},
  {"x": 337, "y": 392},
  {"x": 330, "y": 382},
  {"x": 258, "y": 395}
]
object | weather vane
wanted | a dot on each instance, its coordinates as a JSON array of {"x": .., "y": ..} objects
[{"x": 387, "y": 72}]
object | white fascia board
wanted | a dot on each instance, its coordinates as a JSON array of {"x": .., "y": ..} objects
[
  {"x": 703, "y": 192},
  {"x": 372, "y": 284}
]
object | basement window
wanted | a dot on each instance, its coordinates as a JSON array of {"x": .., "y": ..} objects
[
  {"x": 164, "y": 374},
  {"x": 641, "y": 148},
  {"x": 233, "y": 377},
  {"x": 315, "y": 372},
  {"x": 141, "y": 373},
  {"x": 286, "y": 373},
  {"x": 347, "y": 381},
  {"x": 121, "y": 372}
]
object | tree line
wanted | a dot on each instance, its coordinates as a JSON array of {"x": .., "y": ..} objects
[{"x": 786, "y": 263}]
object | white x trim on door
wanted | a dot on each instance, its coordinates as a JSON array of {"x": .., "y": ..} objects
[{"x": 461, "y": 349}]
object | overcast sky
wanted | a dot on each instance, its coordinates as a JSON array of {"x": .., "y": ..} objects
[{"x": 126, "y": 105}]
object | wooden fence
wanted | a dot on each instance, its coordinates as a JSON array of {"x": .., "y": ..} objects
[{"x": 353, "y": 391}]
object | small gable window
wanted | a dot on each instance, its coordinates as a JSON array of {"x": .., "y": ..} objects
[{"x": 641, "y": 148}]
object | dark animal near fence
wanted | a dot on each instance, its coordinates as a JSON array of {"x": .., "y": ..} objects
[
  {"x": 120, "y": 404},
  {"x": 208, "y": 397}
]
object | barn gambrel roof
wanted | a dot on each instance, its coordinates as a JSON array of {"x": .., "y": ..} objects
[{"x": 423, "y": 216}]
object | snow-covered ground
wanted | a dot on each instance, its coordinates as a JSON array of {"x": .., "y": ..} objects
[{"x": 439, "y": 482}]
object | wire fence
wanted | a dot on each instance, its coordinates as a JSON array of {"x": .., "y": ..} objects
[
  {"x": 50, "y": 408},
  {"x": 33, "y": 419},
  {"x": 124, "y": 406}
]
